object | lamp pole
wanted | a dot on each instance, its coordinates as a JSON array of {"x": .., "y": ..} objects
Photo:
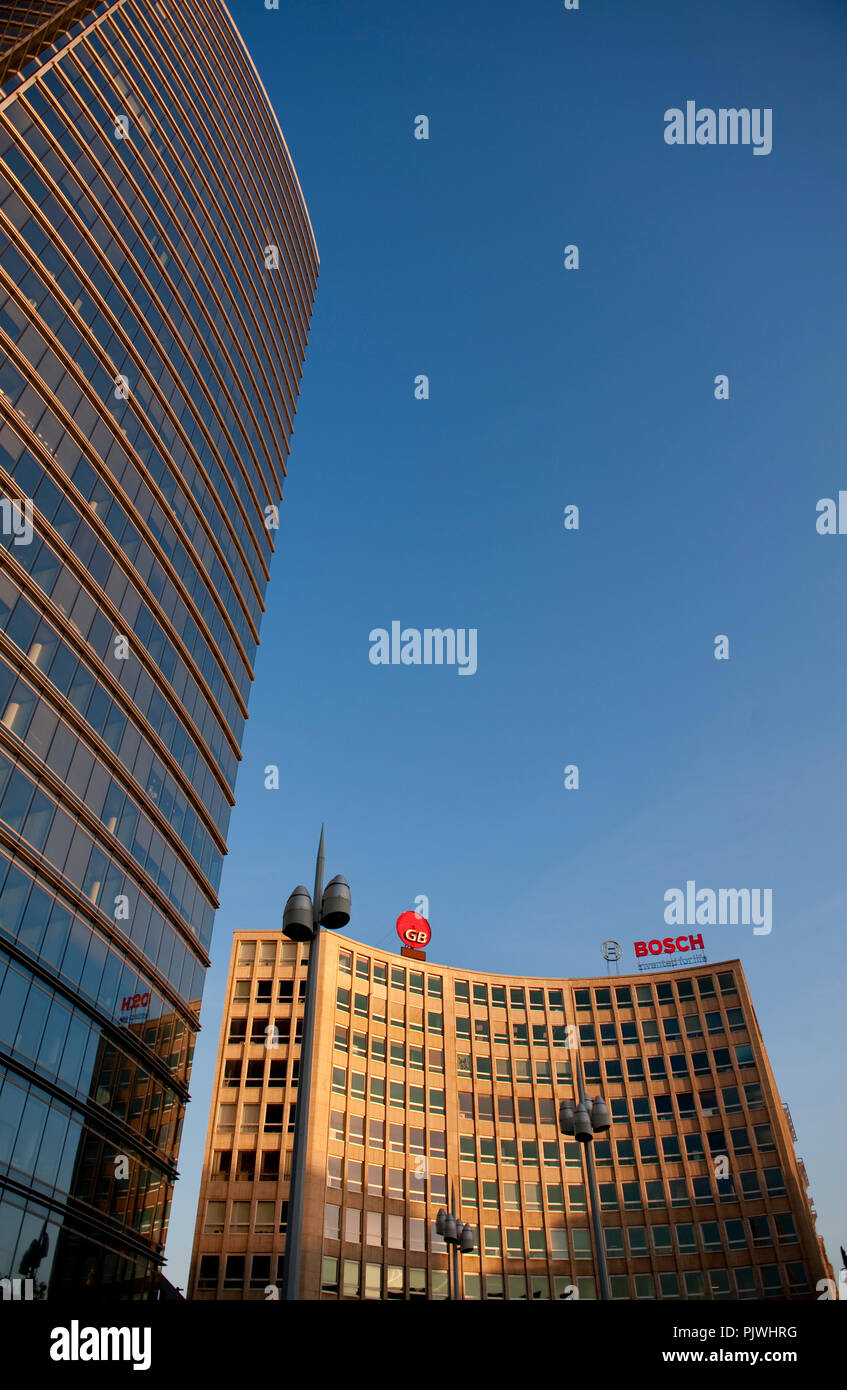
[
  {"x": 456, "y": 1234},
  {"x": 302, "y": 921},
  {"x": 589, "y": 1118}
]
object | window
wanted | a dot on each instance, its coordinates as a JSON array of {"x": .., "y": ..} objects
[
  {"x": 750, "y": 1184},
  {"x": 514, "y": 1243},
  {"x": 693, "y": 1026},
  {"x": 376, "y": 1179},
  {"x": 581, "y": 1242},
  {"x": 614, "y": 1242},
  {"x": 735, "y": 1019},
  {"x": 685, "y": 1239},
  {"x": 608, "y": 1196},
  {"x": 352, "y": 1285},
  {"x": 342, "y": 999},
  {"x": 490, "y": 1194},
  {"x": 663, "y": 1107},
  {"x": 234, "y": 1272},
  {"x": 395, "y": 1232},
  {"x": 635, "y": 1069},
  {"x": 736, "y": 1236},
  {"x": 647, "y": 1149},
  {"x": 710, "y": 1235},
  {"x": 558, "y": 1245},
  {"x": 662, "y": 1240},
  {"x": 731, "y": 1099},
  {"x": 529, "y": 1152},
  {"x": 576, "y": 1196},
  {"x": 209, "y": 1267},
  {"x": 644, "y": 1286},
  {"x": 670, "y": 1149},
  {"x": 764, "y": 1138},
  {"x": 533, "y": 1196},
  {"x": 774, "y": 1182},
  {"x": 332, "y": 1222},
  {"x": 714, "y": 1022},
  {"x": 631, "y": 1196},
  {"x": 753, "y": 1092},
  {"x": 694, "y": 1147},
  {"x": 785, "y": 1230},
  {"x": 678, "y": 1192},
  {"x": 511, "y": 1196},
  {"x": 625, "y": 1151},
  {"x": 726, "y": 982},
  {"x": 536, "y": 1244},
  {"x": 226, "y": 1117},
  {"x": 491, "y": 1235},
  {"x": 741, "y": 1140},
  {"x": 670, "y": 1028}
]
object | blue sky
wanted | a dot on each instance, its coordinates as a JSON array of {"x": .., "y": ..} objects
[{"x": 551, "y": 387}]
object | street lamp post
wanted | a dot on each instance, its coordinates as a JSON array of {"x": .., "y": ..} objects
[
  {"x": 588, "y": 1119},
  {"x": 302, "y": 921},
  {"x": 457, "y": 1234}
]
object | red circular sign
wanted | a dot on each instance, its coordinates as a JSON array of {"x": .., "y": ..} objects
[{"x": 413, "y": 930}]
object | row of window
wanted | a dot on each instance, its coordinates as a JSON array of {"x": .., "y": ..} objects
[
  {"x": 649, "y": 1148},
  {"x": 645, "y": 994},
  {"x": 28, "y": 809},
  {"x": 349, "y": 1279},
  {"x": 720, "y": 1059},
  {"x": 268, "y": 953},
  {"x": 480, "y": 1105},
  {"x": 45, "y": 928}
]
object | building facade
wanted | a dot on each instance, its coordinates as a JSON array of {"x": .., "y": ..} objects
[
  {"x": 157, "y": 272},
  {"x": 426, "y": 1076}
]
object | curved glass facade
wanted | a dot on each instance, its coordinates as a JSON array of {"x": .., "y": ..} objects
[{"x": 157, "y": 270}]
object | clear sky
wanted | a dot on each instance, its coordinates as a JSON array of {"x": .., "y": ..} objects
[{"x": 551, "y": 387}]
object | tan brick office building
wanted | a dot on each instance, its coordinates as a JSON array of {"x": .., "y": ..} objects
[{"x": 425, "y": 1075}]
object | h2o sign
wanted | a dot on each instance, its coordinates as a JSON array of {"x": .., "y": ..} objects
[{"x": 413, "y": 930}]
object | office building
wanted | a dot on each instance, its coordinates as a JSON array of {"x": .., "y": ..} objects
[
  {"x": 426, "y": 1076},
  {"x": 157, "y": 271}
]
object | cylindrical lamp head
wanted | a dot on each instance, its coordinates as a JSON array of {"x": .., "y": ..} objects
[
  {"x": 600, "y": 1118},
  {"x": 565, "y": 1117},
  {"x": 335, "y": 907},
  {"x": 582, "y": 1125},
  {"x": 467, "y": 1240},
  {"x": 449, "y": 1227},
  {"x": 298, "y": 922},
  {"x": 439, "y": 1221}
]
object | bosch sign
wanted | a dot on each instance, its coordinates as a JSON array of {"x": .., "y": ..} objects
[
  {"x": 669, "y": 945},
  {"x": 413, "y": 929}
]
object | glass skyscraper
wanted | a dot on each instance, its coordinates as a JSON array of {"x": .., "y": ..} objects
[{"x": 157, "y": 271}]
